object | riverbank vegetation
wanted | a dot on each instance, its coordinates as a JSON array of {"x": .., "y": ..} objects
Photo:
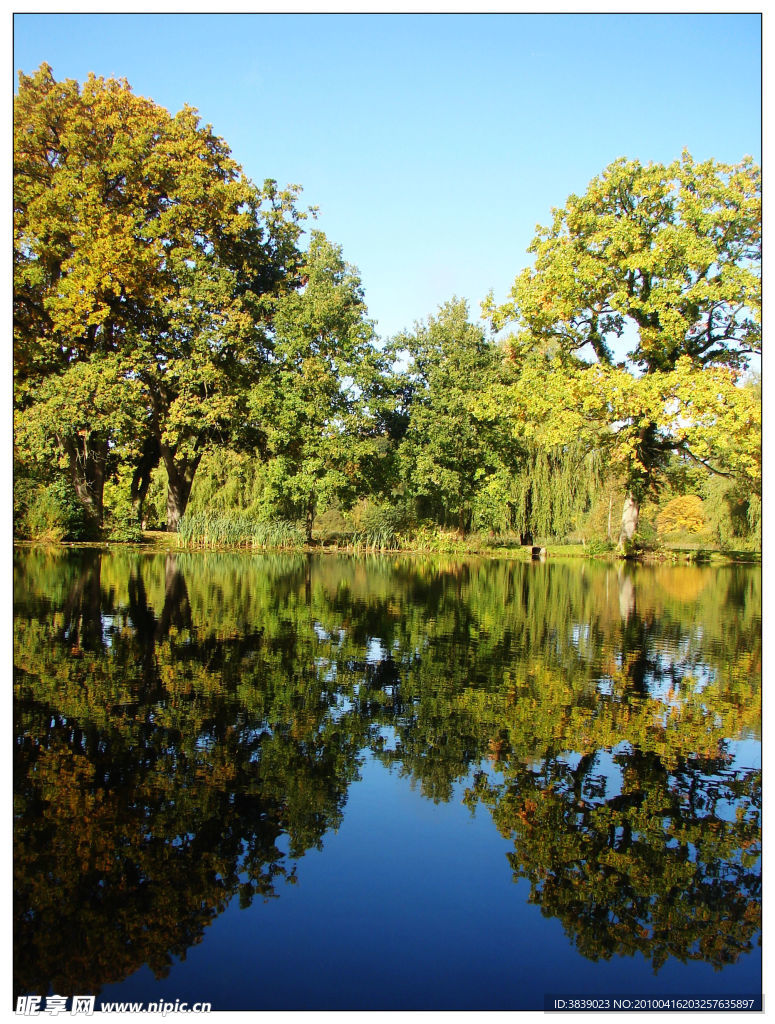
[{"x": 189, "y": 357}]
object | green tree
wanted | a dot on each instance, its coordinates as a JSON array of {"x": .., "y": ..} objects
[
  {"x": 143, "y": 262},
  {"x": 447, "y": 454},
  {"x": 313, "y": 407},
  {"x": 667, "y": 255}
]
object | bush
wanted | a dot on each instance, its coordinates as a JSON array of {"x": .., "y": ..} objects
[
  {"x": 733, "y": 513},
  {"x": 122, "y": 526},
  {"x": 24, "y": 492},
  {"x": 684, "y": 514},
  {"x": 599, "y": 547},
  {"x": 155, "y": 504},
  {"x": 52, "y": 512},
  {"x": 754, "y": 518},
  {"x": 435, "y": 538},
  {"x": 120, "y": 520},
  {"x": 494, "y": 539},
  {"x": 646, "y": 538},
  {"x": 378, "y": 525}
]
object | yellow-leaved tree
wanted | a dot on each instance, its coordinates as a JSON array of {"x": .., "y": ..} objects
[
  {"x": 667, "y": 256},
  {"x": 145, "y": 269}
]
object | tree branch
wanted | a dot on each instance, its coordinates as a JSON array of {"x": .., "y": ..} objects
[{"x": 683, "y": 447}]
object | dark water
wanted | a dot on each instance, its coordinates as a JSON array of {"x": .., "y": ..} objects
[{"x": 289, "y": 782}]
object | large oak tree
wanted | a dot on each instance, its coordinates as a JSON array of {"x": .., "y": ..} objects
[
  {"x": 666, "y": 257},
  {"x": 144, "y": 261}
]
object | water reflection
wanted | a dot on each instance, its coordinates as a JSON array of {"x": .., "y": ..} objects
[
  {"x": 655, "y": 864},
  {"x": 188, "y": 726}
]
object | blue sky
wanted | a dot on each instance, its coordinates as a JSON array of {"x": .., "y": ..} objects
[{"x": 432, "y": 144}]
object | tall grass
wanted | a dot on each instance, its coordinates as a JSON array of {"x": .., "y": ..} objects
[
  {"x": 379, "y": 538},
  {"x": 379, "y": 526},
  {"x": 224, "y": 530}
]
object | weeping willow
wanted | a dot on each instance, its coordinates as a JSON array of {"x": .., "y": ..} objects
[
  {"x": 754, "y": 517},
  {"x": 228, "y": 481},
  {"x": 553, "y": 489}
]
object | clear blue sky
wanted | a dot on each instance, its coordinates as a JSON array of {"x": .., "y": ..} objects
[{"x": 432, "y": 144}]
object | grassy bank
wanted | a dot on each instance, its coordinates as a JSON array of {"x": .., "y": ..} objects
[
  {"x": 241, "y": 532},
  {"x": 160, "y": 541},
  {"x": 206, "y": 532}
]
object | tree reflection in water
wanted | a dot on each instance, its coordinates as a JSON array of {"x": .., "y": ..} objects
[
  {"x": 188, "y": 726},
  {"x": 657, "y": 868}
]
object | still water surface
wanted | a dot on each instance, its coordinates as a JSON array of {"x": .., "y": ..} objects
[{"x": 302, "y": 782}]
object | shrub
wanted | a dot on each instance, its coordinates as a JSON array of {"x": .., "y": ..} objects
[
  {"x": 684, "y": 514},
  {"x": 121, "y": 525},
  {"x": 54, "y": 513},
  {"x": 155, "y": 504},
  {"x": 24, "y": 492},
  {"x": 599, "y": 547},
  {"x": 378, "y": 525},
  {"x": 646, "y": 538},
  {"x": 120, "y": 520},
  {"x": 754, "y": 517}
]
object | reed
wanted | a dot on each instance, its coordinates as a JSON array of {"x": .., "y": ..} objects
[
  {"x": 222, "y": 530},
  {"x": 380, "y": 538}
]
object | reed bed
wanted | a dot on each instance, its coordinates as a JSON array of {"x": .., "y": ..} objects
[
  {"x": 380, "y": 539},
  {"x": 209, "y": 530}
]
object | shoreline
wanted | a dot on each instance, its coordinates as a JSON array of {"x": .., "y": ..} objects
[{"x": 159, "y": 544}]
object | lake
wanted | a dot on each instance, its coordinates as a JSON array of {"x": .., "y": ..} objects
[{"x": 289, "y": 782}]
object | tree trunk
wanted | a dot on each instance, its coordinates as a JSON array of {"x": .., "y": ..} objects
[
  {"x": 180, "y": 477},
  {"x": 141, "y": 478},
  {"x": 178, "y": 493},
  {"x": 308, "y": 522},
  {"x": 630, "y": 514},
  {"x": 87, "y": 458}
]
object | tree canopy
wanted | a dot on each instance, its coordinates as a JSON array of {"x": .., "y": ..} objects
[
  {"x": 314, "y": 406},
  {"x": 142, "y": 252},
  {"x": 446, "y": 454},
  {"x": 667, "y": 259}
]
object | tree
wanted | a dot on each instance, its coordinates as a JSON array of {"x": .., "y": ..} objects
[
  {"x": 314, "y": 405},
  {"x": 88, "y": 412},
  {"x": 668, "y": 255},
  {"x": 446, "y": 454},
  {"x": 142, "y": 253}
]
